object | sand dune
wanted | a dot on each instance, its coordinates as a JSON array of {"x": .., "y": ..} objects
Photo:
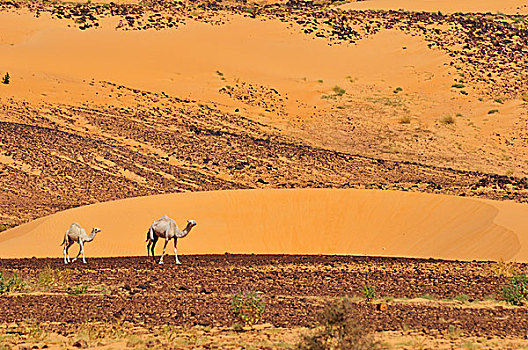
[{"x": 366, "y": 222}]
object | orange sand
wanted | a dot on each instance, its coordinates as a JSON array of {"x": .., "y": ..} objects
[{"x": 365, "y": 222}]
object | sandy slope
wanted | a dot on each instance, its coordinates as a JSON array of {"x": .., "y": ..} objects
[{"x": 294, "y": 221}]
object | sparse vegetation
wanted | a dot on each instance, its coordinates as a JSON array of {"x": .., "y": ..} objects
[
  {"x": 453, "y": 332},
  {"x": 398, "y": 89},
  {"x": 458, "y": 85},
  {"x": 427, "y": 297},
  {"x": 247, "y": 307},
  {"x": 49, "y": 278},
  {"x": 447, "y": 120},
  {"x": 339, "y": 330},
  {"x": 462, "y": 297},
  {"x": 78, "y": 290},
  {"x": 493, "y": 111},
  {"x": 516, "y": 292},
  {"x": 6, "y": 79},
  {"x": 10, "y": 284},
  {"x": 498, "y": 100}
]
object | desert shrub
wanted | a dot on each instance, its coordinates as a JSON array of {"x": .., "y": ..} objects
[
  {"x": 10, "y": 284},
  {"x": 338, "y": 330},
  {"x": 398, "y": 89},
  {"x": 493, "y": 111},
  {"x": 339, "y": 91},
  {"x": 49, "y": 277},
  {"x": 504, "y": 268},
  {"x": 6, "y": 78},
  {"x": 458, "y": 85},
  {"x": 447, "y": 120},
  {"x": 498, "y": 100},
  {"x": 516, "y": 291},
  {"x": 405, "y": 120},
  {"x": 247, "y": 307},
  {"x": 369, "y": 292}
]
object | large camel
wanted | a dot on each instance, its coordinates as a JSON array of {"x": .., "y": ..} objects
[
  {"x": 166, "y": 228},
  {"x": 77, "y": 234}
]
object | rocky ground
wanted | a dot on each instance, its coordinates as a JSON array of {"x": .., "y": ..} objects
[
  {"x": 432, "y": 298},
  {"x": 165, "y": 144}
]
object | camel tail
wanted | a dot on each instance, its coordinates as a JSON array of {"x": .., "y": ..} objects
[
  {"x": 63, "y": 240},
  {"x": 149, "y": 234}
]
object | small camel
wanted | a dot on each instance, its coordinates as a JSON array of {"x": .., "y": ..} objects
[
  {"x": 77, "y": 234},
  {"x": 166, "y": 228}
]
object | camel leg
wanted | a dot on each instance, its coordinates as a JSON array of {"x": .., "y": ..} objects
[
  {"x": 164, "y": 248},
  {"x": 66, "y": 248},
  {"x": 78, "y": 254},
  {"x": 65, "y": 251},
  {"x": 176, "y": 251},
  {"x": 153, "y": 246},
  {"x": 148, "y": 248},
  {"x": 82, "y": 250}
]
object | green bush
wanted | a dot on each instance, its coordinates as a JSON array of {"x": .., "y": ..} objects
[
  {"x": 516, "y": 292},
  {"x": 369, "y": 292},
  {"x": 458, "y": 85},
  {"x": 339, "y": 91},
  {"x": 339, "y": 330},
  {"x": 5, "y": 79},
  {"x": 247, "y": 307}
]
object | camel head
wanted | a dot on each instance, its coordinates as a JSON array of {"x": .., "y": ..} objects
[
  {"x": 96, "y": 230},
  {"x": 190, "y": 225}
]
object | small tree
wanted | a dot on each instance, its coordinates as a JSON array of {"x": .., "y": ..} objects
[{"x": 5, "y": 79}]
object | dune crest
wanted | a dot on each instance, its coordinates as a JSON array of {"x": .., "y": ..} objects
[{"x": 311, "y": 221}]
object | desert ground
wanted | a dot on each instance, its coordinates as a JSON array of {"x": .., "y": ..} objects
[{"x": 365, "y": 159}]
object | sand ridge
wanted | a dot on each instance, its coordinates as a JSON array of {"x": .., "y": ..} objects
[{"x": 359, "y": 222}]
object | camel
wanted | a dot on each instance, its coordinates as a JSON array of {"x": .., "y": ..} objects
[
  {"x": 77, "y": 234},
  {"x": 166, "y": 228}
]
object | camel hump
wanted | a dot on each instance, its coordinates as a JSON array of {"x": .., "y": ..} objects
[
  {"x": 164, "y": 217},
  {"x": 75, "y": 225}
]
